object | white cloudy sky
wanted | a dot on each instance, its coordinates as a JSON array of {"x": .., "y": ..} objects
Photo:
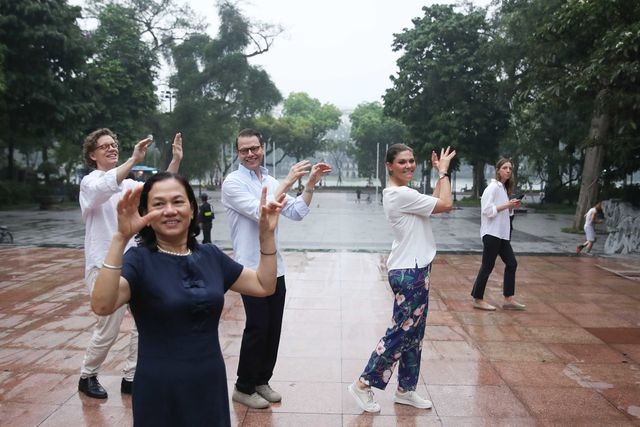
[{"x": 338, "y": 51}]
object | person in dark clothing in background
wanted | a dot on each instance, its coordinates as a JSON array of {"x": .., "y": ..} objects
[{"x": 205, "y": 218}]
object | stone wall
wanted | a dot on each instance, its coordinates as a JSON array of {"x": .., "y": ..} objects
[{"x": 623, "y": 225}]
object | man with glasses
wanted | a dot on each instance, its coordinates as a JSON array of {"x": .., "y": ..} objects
[
  {"x": 100, "y": 192},
  {"x": 241, "y": 198}
]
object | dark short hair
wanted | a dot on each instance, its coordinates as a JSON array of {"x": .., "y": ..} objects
[
  {"x": 147, "y": 237},
  {"x": 204, "y": 197},
  {"x": 248, "y": 132},
  {"x": 394, "y": 150},
  {"x": 90, "y": 143}
]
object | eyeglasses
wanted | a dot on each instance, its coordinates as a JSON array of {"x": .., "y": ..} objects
[
  {"x": 105, "y": 147},
  {"x": 255, "y": 149}
]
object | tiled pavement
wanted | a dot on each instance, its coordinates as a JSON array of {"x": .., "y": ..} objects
[{"x": 573, "y": 358}]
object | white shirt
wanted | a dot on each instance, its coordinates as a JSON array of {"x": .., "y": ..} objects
[
  {"x": 588, "y": 217},
  {"x": 241, "y": 191},
  {"x": 99, "y": 196},
  {"x": 408, "y": 214},
  {"x": 492, "y": 222}
]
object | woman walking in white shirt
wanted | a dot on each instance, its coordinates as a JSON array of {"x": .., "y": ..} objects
[
  {"x": 409, "y": 267},
  {"x": 495, "y": 230}
]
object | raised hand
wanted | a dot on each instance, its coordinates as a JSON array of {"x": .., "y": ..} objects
[
  {"x": 445, "y": 159},
  {"x": 435, "y": 163},
  {"x": 140, "y": 150},
  {"x": 318, "y": 171},
  {"x": 129, "y": 219},
  {"x": 270, "y": 212},
  {"x": 297, "y": 171},
  {"x": 176, "y": 148}
]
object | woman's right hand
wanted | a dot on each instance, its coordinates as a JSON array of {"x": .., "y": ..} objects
[{"x": 129, "y": 220}]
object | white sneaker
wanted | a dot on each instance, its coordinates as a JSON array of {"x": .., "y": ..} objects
[
  {"x": 364, "y": 398},
  {"x": 411, "y": 398},
  {"x": 254, "y": 400},
  {"x": 268, "y": 393},
  {"x": 483, "y": 305}
]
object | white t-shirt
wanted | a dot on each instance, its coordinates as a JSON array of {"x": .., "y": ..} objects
[
  {"x": 492, "y": 222},
  {"x": 589, "y": 216},
  {"x": 408, "y": 214},
  {"x": 99, "y": 196}
]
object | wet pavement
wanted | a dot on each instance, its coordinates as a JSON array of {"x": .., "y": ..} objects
[
  {"x": 336, "y": 222},
  {"x": 572, "y": 358}
]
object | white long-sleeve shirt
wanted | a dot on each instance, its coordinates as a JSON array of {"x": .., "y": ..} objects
[
  {"x": 241, "y": 191},
  {"x": 408, "y": 212},
  {"x": 495, "y": 223},
  {"x": 99, "y": 196}
]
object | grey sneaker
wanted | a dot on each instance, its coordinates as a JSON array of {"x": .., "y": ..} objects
[
  {"x": 268, "y": 393},
  {"x": 254, "y": 400},
  {"x": 411, "y": 398},
  {"x": 364, "y": 398},
  {"x": 513, "y": 305}
]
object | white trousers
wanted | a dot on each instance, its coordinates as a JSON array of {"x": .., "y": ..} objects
[{"x": 104, "y": 336}]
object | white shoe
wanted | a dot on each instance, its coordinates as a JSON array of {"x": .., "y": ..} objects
[
  {"x": 364, "y": 398},
  {"x": 254, "y": 400},
  {"x": 513, "y": 305},
  {"x": 411, "y": 398},
  {"x": 268, "y": 393},
  {"x": 483, "y": 305}
]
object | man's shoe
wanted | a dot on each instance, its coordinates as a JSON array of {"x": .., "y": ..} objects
[
  {"x": 483, "y": 305},
  {"x": 513, "y": 306},
  {"x": 411, "y": 398},
  {"x": 254, "y": 400},
  {"x": 268, "y": 393},
  {"x": 364, "y": 398},
  {"x": 92, "y": 388},
  {"x": 126, "y": 386}
]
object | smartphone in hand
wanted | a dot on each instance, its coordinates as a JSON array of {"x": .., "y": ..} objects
[{"x": 520, "y": 196}]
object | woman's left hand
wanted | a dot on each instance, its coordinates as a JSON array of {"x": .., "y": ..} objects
[{"x": 270, "y": 212}]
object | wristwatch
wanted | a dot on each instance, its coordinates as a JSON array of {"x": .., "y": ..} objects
[{"x": 442, "y": 175}]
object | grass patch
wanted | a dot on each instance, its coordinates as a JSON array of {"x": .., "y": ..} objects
[
  {"x": 572, "y": 230},
  {"x": 556, "y": 208}
]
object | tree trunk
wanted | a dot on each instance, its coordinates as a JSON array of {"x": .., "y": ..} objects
[
  {"x": 598, "y": 134},
  {"x": 479, "y": 183}
]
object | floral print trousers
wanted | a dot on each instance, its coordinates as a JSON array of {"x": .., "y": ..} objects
[{"x": 402, "y": 343}]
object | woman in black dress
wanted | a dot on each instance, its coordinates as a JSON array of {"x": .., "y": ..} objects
[{"x": 175, "y": 288}]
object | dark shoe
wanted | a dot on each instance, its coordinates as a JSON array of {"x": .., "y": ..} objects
[
  {"x": 92, "y": 388},
  {"x": 126, "y": 386}
]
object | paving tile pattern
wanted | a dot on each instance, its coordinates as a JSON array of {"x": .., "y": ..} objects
[{"x": 573, "y": 358}]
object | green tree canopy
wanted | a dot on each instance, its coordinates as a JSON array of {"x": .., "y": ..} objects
[
  {"x": 370, "y": 127},
  {"x": 447, "y": 90},
  {"x": 302, "y": 128},
  {"x": 218, "y": 90},
  {"x": 44, "y": 58},
  {"x": 121, "y": 73}
]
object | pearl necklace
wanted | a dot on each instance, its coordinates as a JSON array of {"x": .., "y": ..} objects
[{"x": 164, "y": 251}]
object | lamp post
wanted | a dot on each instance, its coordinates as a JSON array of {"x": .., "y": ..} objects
[{"x": 169, "y": 94}]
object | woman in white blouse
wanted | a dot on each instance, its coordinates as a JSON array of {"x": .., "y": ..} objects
[
  {"x": 409, "y": 267},
  {"x": 495, "y": 230}
]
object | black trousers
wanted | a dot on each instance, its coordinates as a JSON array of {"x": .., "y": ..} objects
[
  {"x": 492, "y": 247},
  {"x": 206, "y": 232},
  {"x": 260, "y": 339}
]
